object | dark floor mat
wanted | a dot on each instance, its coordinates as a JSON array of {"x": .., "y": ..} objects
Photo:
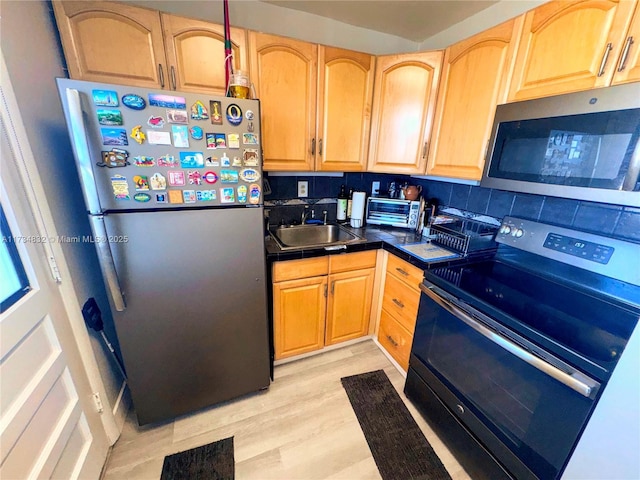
[
  {"x": 399, "y": 447},
  {"x": 210, "y": 462}
]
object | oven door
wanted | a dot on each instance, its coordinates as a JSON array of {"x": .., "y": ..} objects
[{"x": 527, "y": 406}]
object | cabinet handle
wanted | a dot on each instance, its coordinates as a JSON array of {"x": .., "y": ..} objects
[
  {"x": 325, "y": 290},
  {"x": 402, "y": 272},
  {"x": 605, "y": 57},
  {"x": 320, "y": 147},
  {"x": 625, "y": 54},
  {"x": 313, "y": 146},
  {"x": 424, "y": 149},
  {"x": 173, "y": 78},
  {"x": 161, "y": 75},
  {"x": 398, "y": 303},
  {"x": 393, "y": 342}
]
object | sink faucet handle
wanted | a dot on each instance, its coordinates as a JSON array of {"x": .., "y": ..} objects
[{"x": 324, "y": 217}]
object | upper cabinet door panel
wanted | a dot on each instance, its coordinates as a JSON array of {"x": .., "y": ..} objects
[
  {"x": 195, "y": 51},
  {"x": 403, "y": 107},
  {"x": 344, "y": 109},
  {"x": 112, "y": 42},
  {"x": 569, "y": 46},
  {"x": 474, "y": 80},
  {"x": 628, "y": 66},
  {"x": 284, "y": 73}
]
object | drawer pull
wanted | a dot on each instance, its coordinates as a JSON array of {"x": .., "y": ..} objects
[
  {"x": 402, "y": 272},
  {"x": 393, "y": 342},
  {"x": 398, "y": 303}
]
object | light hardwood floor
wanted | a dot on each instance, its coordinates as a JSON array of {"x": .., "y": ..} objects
[{"x": 302, "y": 427}]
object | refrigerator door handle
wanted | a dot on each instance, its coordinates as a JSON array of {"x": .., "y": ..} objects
[
  {"x": 81, "y": 149},
  {"x": 107, "y": 265}
]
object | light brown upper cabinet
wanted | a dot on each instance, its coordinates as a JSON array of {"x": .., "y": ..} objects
[
  {"x": 345, "y": 91},
  {"x": 195, "y": 52},
  {"x": 284, "y": 73},
  {"x": 569, "y": 46},
  {"x": 628, "y": 67},
  {"x": 315, "y": 103},
  {"x": 474, "y": 80},
  {"x": 117, "y": 43},
  {"x": 404, "y": 102},
  {"x": 112, "y": 43}
]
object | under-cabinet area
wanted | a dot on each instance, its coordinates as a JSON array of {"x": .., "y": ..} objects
[{"x": 321, "y": 301}]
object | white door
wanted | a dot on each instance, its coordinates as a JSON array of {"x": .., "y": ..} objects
[{"x": 49, "y": 424}]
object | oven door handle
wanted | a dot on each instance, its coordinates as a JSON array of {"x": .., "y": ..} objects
[{"x": 586, "y": 389}]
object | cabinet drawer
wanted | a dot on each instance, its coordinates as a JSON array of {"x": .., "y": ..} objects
[
  {"x": 408, "y": 273},
  {"x": 401, "y": 301},
  {"x": 395, "y": 339},
  {"x": 352, "y": 261},
  {"x": 293, "y": 269}
]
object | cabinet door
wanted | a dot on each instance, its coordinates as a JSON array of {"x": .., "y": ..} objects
[
  {"x": 345, "y": 90},
  {"x": 284, "y": 74},
  {"x": 568, "y": 46},
  {"x": 299, "y": 308},
  {"x": 195, "y": 51},
  {"x": 628, "y": 66},
  {"x": 349, "y": 305},
  {"x": 112, "y": 43},
  {"x": 474, "y": 80},
  {"x": 403, "y": 106}
]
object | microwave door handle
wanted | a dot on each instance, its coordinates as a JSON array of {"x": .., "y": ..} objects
[
  {"x": 546, "y": 368},
  {"x": 633, "y": 173}
]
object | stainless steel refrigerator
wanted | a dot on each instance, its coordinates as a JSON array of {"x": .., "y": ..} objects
[{"x": 173, "y": 190}]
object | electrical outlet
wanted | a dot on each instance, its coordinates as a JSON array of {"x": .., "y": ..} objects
[
  {"x": 375, "y": 189},
  {"x": 303, "y": 188}
]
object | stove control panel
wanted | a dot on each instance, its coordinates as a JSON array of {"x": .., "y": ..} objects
[{"x": 607, "y": 256}]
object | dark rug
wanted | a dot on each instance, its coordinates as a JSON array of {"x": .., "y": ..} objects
[
  {"x": 209, "y": 462},
  {"x": 399, "y": 447}
]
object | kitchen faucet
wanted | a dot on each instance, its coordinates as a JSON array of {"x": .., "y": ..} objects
[{"x": 305, "y": 214}]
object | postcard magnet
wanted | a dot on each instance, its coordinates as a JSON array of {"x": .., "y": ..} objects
[
  {"x": 176, "y": 178},
  {"x": 194, "y": 177},
  {"x": 105, "y": 98},
  {"x": 250, "y": 157},
  {"x": 114, "y": 136},
  {"x": 228, "y": 176},
  {"x": 175, "y": 196},
  {"x": 191, "y": 160},
  {"x": 216, "y": 112},
  {"x": 233, "y": 140},
  {"x": 249, "y": 175},
  {"x": 161, "y": 198},
  {"x": 109, "y": 117},
  {"x": 227, "y": 195},
  {"x": 205, "y": 195},
  {"x": 133, "y": 101},
  {"x": 189, "y": 196}
]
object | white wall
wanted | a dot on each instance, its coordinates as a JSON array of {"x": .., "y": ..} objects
[{"x": 34, "y": 58}]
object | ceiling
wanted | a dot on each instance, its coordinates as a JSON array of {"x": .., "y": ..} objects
[{"x": 412, "y": 20}]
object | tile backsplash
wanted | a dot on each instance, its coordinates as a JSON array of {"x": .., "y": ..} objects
[{"x": 611, "y": 220}]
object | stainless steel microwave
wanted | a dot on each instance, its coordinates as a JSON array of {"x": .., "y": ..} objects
[
  {"x": 393, "y": 211},
  {"x": 583, "y": 145}
]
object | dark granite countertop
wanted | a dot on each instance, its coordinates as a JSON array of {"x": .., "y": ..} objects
[{"x": 387, "y": 238}]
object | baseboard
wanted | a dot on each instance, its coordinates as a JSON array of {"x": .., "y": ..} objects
[
  {"x": 391, "y": 359},
  {"x": 322, "y": 350},
  {"x": 122, "y": 406}
]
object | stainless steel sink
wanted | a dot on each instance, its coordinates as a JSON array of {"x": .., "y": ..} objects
[{"x": 308, "y": 236}]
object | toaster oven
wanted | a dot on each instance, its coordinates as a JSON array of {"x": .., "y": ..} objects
[{"x": 393, "y": 212}]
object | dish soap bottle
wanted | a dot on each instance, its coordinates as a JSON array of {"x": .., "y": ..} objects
[
  {"x": 349, "y": 203},
  {"x": 341, "y": 214}
]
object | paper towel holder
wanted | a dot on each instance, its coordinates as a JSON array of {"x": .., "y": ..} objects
[{"x": 357, "y": 209}]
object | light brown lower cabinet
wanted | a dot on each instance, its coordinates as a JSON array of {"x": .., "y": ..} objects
[
  {"x": 400, "y": 302},
  {"x": 321, "y": 301}
]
